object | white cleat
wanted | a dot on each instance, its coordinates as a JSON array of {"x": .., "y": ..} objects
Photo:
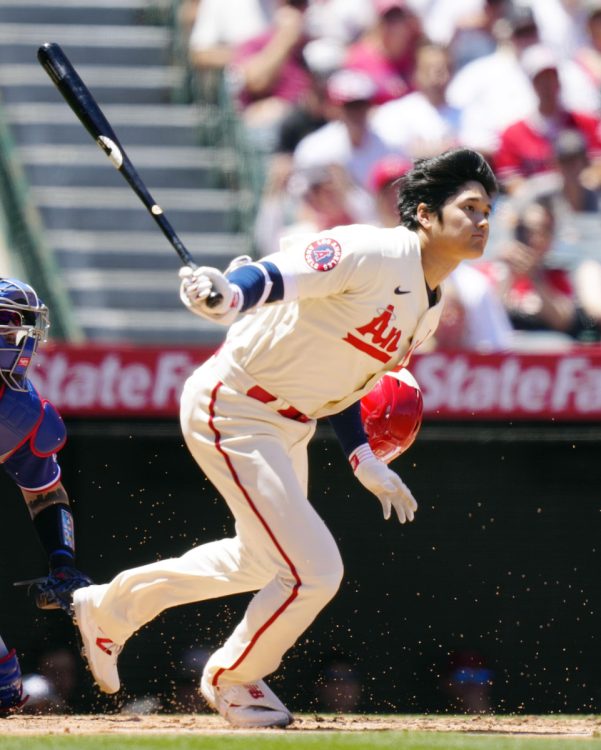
[
  {"x": 99, "y": 650},
  {"x": 251, "y": 705}
]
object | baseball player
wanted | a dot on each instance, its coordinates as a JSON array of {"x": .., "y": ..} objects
[
  {"x": 313, "y": 327},
  {"x": 31, "y": 433}
]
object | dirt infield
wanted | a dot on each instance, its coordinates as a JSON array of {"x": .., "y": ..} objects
[{"x": 551, "y": 726}]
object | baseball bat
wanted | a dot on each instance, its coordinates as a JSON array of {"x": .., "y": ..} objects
[{"x": 77, "y": 95}]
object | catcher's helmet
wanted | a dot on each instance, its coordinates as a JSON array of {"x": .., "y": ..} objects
[
  {"x": 23, "y": 324},
  {"x": 392, "y": 414}
]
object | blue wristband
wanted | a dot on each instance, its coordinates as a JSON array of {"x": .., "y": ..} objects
[{"x": 251, "y": 281}]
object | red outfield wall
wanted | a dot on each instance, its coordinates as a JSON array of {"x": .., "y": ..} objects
[{"x": 126, "y": 381}]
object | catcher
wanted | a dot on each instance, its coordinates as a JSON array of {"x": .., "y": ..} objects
[{"x": 31, "y": 434}]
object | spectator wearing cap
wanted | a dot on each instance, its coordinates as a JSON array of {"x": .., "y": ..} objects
[
  {"x": 348, "y": 140},
  {"x": 526, "y": 146},
  {"x": 383, "y": 182},
  {"x": 422, "y": 123},
  {"x": 386, "y": 52},
  {"x": 494, "y": 91}
]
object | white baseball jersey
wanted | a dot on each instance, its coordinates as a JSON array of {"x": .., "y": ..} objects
[
  {"x": 359, "y": 307},
  {"x": 355, "y": 306}
]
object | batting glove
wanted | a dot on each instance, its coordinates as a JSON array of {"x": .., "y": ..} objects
[
  {"x": 196, "y": 286},
  {"x": 387, "y": 486}
]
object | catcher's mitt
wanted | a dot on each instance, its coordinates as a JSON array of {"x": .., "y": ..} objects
[{"x": 56, "y": 589}]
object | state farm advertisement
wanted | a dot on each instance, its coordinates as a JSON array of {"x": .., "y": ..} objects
[
  {"x": 511, "y": 386},
  {"x": 114, "y": 381},
  {"x": 126, "y": 381}
]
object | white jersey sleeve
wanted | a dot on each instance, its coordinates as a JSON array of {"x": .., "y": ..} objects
[{"x": 336, "y": 261}]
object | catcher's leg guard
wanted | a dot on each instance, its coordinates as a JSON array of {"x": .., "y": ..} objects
[{"x": 11, "y": 684}]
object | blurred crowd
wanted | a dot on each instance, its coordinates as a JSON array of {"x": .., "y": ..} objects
[{"x": 340, "y": 97}]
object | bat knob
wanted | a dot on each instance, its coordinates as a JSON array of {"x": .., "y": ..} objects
[{"x": 214, "y": 299}]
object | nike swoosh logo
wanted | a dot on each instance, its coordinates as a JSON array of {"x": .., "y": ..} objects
[{"x": 398, "y": 290}]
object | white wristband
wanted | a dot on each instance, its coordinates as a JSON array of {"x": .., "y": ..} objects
[
  {"x": 237, "y": 297},
  {"x": 359, "y": 454}
]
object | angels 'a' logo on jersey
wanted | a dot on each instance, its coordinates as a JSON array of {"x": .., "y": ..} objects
[
  {"x": 378, "y": 338},
  {"x": 323, "y": 254}
]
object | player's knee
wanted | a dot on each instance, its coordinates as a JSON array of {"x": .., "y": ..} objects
[
  {"x": 325, "y": 582},
  {"x": 330, "y": 582}
]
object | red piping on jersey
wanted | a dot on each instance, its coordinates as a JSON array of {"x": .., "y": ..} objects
[
  {"x": 34, "y": 433},
  {"x": 270, "y": 533}
]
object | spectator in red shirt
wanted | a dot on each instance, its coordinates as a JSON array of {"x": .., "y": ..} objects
[
  {"x": 536, "y": 296},
  {"x": 268, "y": 74},
  {"x": 527, "y": 146},
  {"x": 386, "y": 52}
]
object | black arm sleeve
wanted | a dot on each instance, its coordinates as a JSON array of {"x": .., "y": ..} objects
[{"x": 348, "y": 427}]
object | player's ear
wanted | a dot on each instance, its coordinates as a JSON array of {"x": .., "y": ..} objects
[{"x": 423, "y": 216}]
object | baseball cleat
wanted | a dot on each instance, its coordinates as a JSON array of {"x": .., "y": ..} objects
[
  {"x": 251, "y": 705},
  {"x": 100, "y": 651}
]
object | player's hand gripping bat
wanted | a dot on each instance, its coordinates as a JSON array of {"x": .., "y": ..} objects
[{"x": 78, "y": 97}]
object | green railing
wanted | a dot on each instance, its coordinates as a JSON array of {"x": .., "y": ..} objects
[{"x": 23, "y": 236}]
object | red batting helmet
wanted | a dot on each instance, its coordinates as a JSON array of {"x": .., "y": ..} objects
[{"x": 392, "y": 414}]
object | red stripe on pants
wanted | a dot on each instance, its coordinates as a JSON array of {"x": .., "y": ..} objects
[{"x": 270, "y": 533}]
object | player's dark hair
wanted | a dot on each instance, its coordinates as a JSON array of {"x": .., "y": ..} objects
[{"x": 433, "y": 181}]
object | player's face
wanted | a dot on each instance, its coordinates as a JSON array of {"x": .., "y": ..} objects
[
  {"x": 10, "y": 321},
  {"x": 463, "y": 231}
]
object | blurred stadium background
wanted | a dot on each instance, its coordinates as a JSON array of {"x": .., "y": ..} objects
[{"x": 489, "y": 600}]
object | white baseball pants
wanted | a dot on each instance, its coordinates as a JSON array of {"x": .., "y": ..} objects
[{"x": 257, "y": 459}]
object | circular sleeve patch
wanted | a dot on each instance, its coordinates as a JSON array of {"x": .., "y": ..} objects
[{"x": 323, "y": 254}]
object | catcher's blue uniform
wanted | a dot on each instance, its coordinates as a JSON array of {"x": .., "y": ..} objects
[{"x": 31, "y": 434}]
